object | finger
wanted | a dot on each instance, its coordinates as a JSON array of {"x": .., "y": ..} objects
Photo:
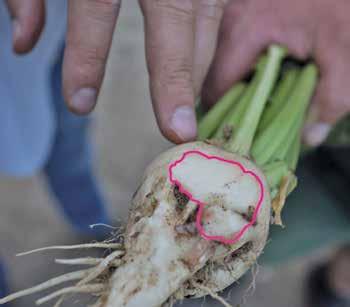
[
  {"x": 169, "y": 51},
  {"x": 330, "y": 103},
  {"x": 209, "y": 15},
  {"x": 90, "y": 31},
  {"x": 28, "y": 22},
  {"x": 238, "y": 48}
]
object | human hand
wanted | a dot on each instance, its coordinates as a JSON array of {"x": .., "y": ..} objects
[
  {"x": 90, "y": 30},
  {"x": 182, "y": 36},
  {"x": 317, "y": 29}
]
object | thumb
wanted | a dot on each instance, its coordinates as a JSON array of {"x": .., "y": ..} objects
[{"x": 329, "y": 105}]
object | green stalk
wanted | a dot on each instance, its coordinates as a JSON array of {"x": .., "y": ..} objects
[
  {"x": 286, "y": 124},
  {"x": 210, "y": 121},
  {"x": 283, "y": 149},
  {"x": 275, "y": 172},
  {"x": 233, "y": 118},
  {"x": 293, "y": 153},
  {"x": 279, "y": 97},
  {"x": 242, "y": 139},
  {"x": 270, "y": 132}
]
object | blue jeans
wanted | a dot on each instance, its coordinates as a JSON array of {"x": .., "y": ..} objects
[
  {"x": 3, "y": 286},
  {"x": 69, "y": 168}
]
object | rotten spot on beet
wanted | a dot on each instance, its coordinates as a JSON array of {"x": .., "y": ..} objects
[
  {"x": 227, "y": 132},
  {"x": 137, "y": 218},
  {"x": 111, "y": 270},
  {"x": 243, "y": 250},
  {"x": 151, "y": 205},
  {"x": 217, "y": 143},
  {"x": 131, "y": 294},
  {"x": 187, "y": 263},
  {"x": 186, "y": 229},
  {"x": 193, "y": 216},
  {"x": 249, "y": 215},
  {"x": 153, "y": 278},
  {"x": 181, "y": 199}
]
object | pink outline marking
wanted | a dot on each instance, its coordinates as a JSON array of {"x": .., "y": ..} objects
[{"x": 201, "y": 205}]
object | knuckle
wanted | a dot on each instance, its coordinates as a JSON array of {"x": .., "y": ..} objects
[
  {"x": 89, "y": 63},
  {"x": 176, "y": 70},
  {"x": 332, "y": 103},
  {"x": 103, "y": 11},
  {"x": 175, "y": 78},
  {"x": 173, "y": 9}
]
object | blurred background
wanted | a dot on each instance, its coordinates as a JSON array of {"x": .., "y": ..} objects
[{"x": 127, "y": 139}]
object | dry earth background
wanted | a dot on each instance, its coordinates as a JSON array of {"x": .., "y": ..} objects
[{"x": 124, "y": 131}]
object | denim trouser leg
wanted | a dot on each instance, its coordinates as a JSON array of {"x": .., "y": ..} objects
[
  {"x": 3, "y": 285},
  {"x": 69, "y": 168}
]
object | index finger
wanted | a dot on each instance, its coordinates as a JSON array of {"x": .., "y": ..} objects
[
  {"x": 169, "y": 50},
  {"x": 91, "y": 26}
]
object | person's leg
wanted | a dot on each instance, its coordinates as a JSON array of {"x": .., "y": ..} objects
[
  {"x": 3, "y": 284},
  {"x": 69, "y": 168}
]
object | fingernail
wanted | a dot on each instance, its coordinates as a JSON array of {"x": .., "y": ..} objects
[
  {"x": 183, "y": 123},
  {"x": 17, "y": 30},
  {"x": 315, "y": 134},
  {"x": 83, "y": 100}
]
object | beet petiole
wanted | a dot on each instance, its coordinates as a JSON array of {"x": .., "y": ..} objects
[
  {"x": 279, "y": 97},
  {"x": 294, "y": 152},
  {"x": 269, "y": 141},
  {"x": 274, "y": 173},
  {"x": 242, "y": 139},
  {"x": 211, "y": 120},
  {"x": 231, "y": 121}
]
